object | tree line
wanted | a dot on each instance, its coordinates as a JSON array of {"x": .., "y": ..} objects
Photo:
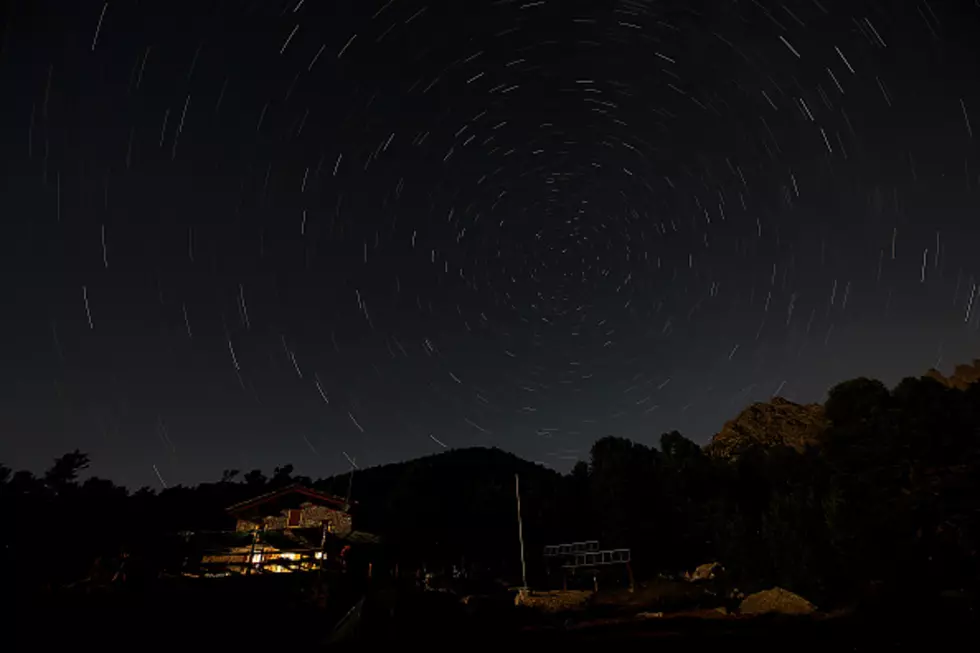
[{"x": 886, "y": 499}]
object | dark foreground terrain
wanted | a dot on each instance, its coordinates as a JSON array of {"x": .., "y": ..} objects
[{"x": 260, "y": 613}]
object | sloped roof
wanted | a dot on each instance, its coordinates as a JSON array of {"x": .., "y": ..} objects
[{"x": 296, "y": 488}]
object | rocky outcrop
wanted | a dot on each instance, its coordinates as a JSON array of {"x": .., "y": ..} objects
[
  {"x": 778, "y": 423},
  {"x": 962, "y": 378},
  {"x": 775, "y": 601}
]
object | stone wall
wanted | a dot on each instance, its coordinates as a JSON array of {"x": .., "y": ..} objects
[
  {"x": 245, "y": 525},
  {"x": 312, "y": 515}
]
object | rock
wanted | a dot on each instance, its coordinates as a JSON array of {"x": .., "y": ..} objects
[
  {"x": 649, "y": 615},
  {"x": 707, "y": 571},
  {"x": 554, "y": 601},
  {"x": 778, "y": 423},
  {"x": 776, "y": 601}
]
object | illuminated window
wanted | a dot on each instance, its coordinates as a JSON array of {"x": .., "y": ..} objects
[{"x": 295, "y": 517}]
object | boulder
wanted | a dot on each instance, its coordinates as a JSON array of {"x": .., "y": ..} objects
[{"x": 776, "y": 601}]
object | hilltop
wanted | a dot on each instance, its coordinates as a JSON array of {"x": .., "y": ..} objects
[{"x": 460, "y": 500}]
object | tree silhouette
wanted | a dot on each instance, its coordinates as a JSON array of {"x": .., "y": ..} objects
[
  {"x": 859, "y": 401},
  {"x": 678, "y": 451},
  {"x": 255, "y": 478},
  {"x": 282, "y": 476},
  {"x": 65, "y": 470},
  {"x": 229, "y": 475}
]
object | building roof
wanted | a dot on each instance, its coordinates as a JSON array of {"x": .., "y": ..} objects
[{"x": 296, "y": 488}]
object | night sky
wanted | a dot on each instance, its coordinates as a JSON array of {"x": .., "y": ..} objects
[{"x": 245, "y": 233}]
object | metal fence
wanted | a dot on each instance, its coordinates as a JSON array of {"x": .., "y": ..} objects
[
  {"x": 598, "y": 558},
  {"x": 563, "y": 550}
]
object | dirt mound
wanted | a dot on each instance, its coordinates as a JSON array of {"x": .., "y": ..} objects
[{"x": 776, "y": 601}]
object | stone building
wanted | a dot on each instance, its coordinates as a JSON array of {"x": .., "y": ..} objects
[{"x": 291, "y": 529}]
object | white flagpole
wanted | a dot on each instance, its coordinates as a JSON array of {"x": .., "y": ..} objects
[{"x": 520, "y": 528}]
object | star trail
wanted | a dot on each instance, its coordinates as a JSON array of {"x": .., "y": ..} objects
[{"x": 244, "y": 234}]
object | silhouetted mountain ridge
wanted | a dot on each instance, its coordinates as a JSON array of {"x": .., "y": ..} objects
[
  {"x": 471, "y": 458},
  {"x": 456, "y": 499}
]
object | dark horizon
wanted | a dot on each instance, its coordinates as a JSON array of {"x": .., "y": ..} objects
[
  {"x": 245, "y": 236},
  {"x": 302, "y": 478}
]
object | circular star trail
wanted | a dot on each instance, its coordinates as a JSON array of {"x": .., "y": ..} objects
[{"x": 240, "y": 234}]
